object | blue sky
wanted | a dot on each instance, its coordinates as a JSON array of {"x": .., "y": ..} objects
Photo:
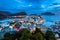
[{"x": 30, "y": 6}]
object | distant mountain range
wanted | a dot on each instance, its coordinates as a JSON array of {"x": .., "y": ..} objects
[
  {"x": 48, "y": 13},
  {"x": 4, "y": 14}
]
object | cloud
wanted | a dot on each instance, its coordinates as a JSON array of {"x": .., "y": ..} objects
[
  {"x": 28, "y": 4},
  {"x": 18, "y": 1},
  {"x": 53, "y": 6}
]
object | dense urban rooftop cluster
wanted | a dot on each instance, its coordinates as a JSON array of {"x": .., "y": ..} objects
[
  {"x": 29, "y": 22},
  {"x": 23, "y": 21}
]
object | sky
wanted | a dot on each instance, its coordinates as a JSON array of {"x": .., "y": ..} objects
[{"x": 30, "y": 6}]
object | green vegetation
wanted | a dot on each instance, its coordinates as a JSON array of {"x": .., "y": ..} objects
[
  {"x": 50, "y": 35},
  {"x": 6, "y": 36},
  {"x": 26, "y": 35},
  {"x": 38, "y": 36}
]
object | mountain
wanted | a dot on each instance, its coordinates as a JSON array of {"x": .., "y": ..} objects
[
  {"x": 48, "y": 13},
  {"x": 19, "y": 13},
  {"x": 4, "y": 14}
]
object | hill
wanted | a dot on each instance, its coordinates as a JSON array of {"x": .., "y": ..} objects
[{"x": 47, "y": 13}]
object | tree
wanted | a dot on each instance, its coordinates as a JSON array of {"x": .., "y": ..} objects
[
  {"x": 6, "y": 36},
  {"x": 38, "y": 36},
  {"x": 37, "y": 30},
  {"x": 26, "y": 35},
  {"x": 15, "y": 36},
  {"x": 50, "y": 36}
]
